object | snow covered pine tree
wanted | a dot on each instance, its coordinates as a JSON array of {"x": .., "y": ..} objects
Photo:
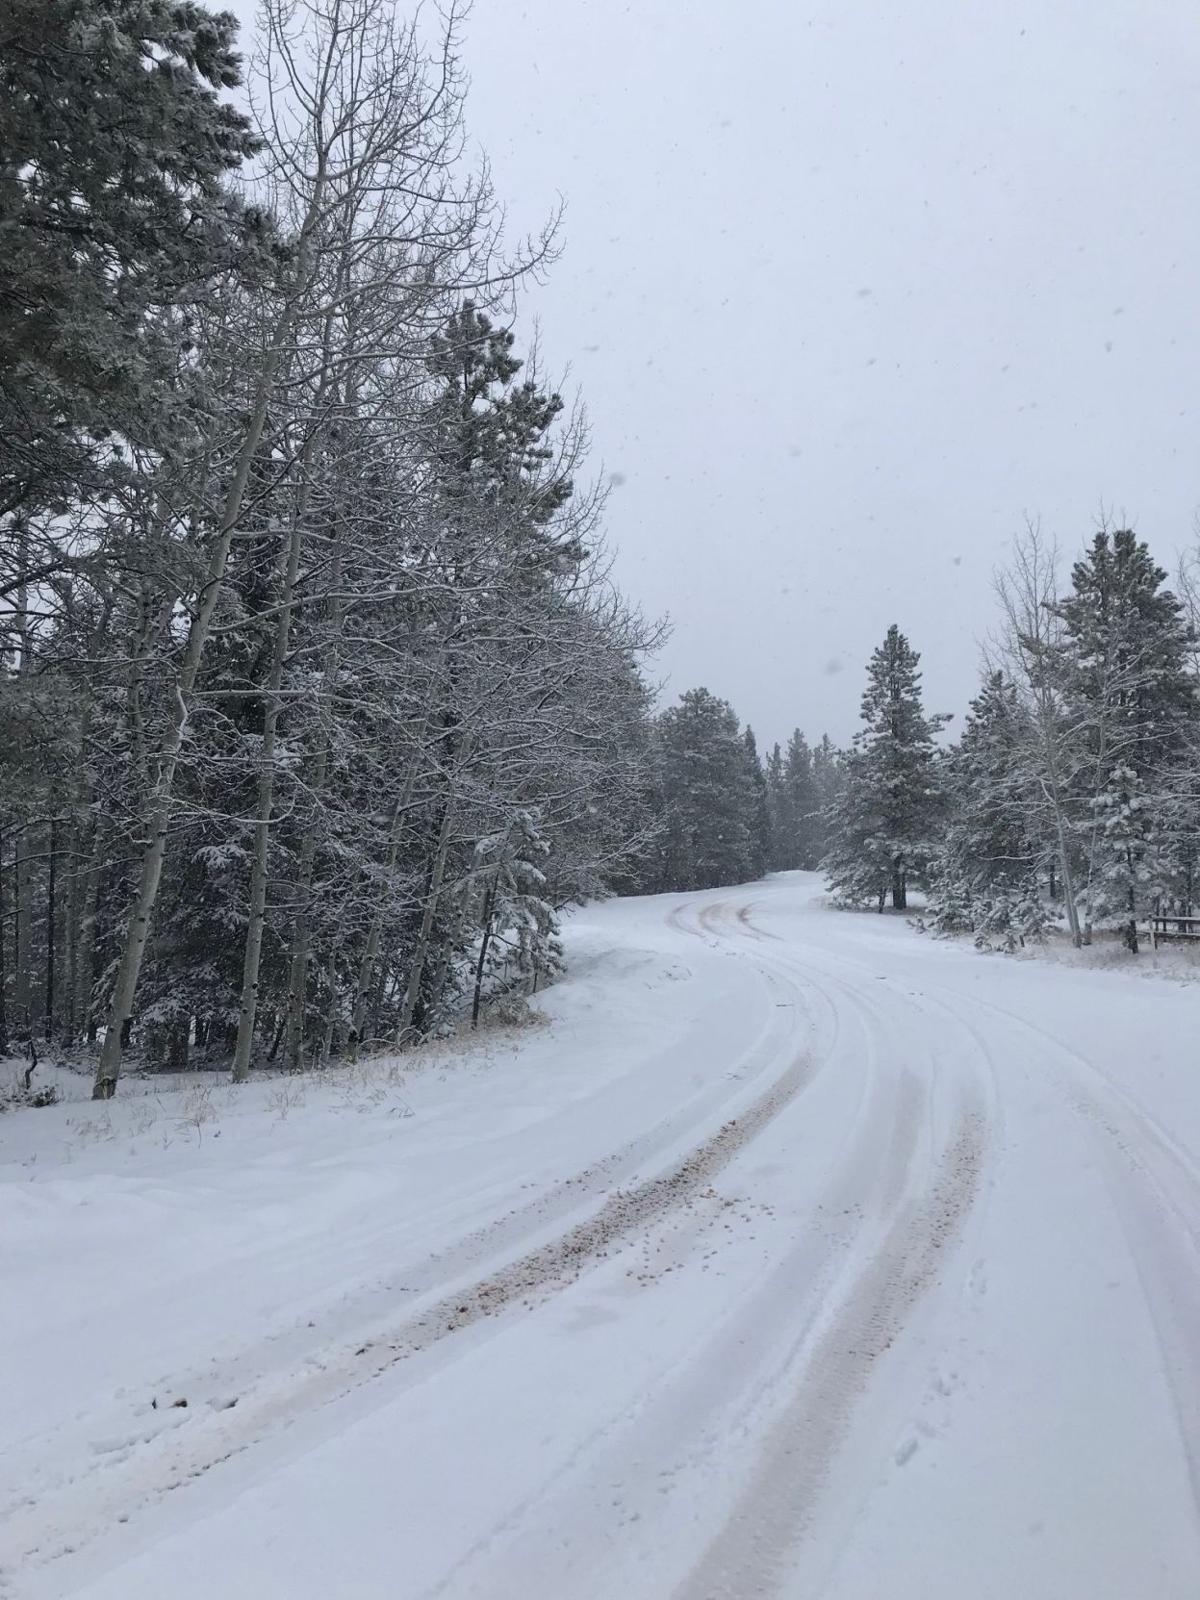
[
  {"x": 881, "y": 832},
  {"x": 1125, "y": 677},
  {"x": 712, "y": 804},
  {"x": 985, "y": 875}
]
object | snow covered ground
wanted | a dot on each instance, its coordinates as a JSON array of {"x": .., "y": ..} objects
[{"x": 799, "y": 1255}]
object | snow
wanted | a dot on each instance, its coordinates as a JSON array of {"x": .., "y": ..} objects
[{"x": 798, "y": 1254}]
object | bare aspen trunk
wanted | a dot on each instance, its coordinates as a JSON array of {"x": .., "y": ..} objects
[
  {"x": 1130, "y": 931},
  {"x": 266, "y": 796},
  {"x": 1068, "y": 884},
  {"x": 366, "y": 972},
  {"x": 331, "y": 1018},
  {"x": 158, "y": 810},
  {"x": 83, "y": 882},
  {"x": 489, "y": 906},
  {"x": 421, "y": 952},
  {"x": 293, "y": 1049},
  {"x": 71, "y": 914},
  {"x": 298, "y": 967},
  {"x": 252, "y": 957},
  {"x": 441, "y": 972},
  {"x": 1052, "y": 790},
  {"x": 23, "y": 963},
  {"x": 1027, "y": 597},
  {"x": 51, "y": 915},
  {"x": 3, "y": 948},
  {"x": 23, "y": 881},
  {"x": 85, "y": 944}
]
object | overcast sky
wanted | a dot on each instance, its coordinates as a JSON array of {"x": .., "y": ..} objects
[{"x": 849, "y": 290}]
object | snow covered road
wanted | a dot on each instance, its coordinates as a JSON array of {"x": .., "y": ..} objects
[{"x": 802, "y": 1256}]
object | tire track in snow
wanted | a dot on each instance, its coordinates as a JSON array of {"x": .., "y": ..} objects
[
  {"x": 38, "y": 1534},
  {"x": 1144, "y": 1143},
  {"x": 727, "y": 1370},
  {"x": 625, "y": 1213},
  {"x": 599, "y": 1177},
  {"x": 1152, "y": 1181},
  {"x": 1154, "y": 1187},
  {"x": 802, "y": 1349},
  {"x": 751, "y": 1553},
  {"x": 745, "y": 917},
  {"x": 1155, "y": 1190}
]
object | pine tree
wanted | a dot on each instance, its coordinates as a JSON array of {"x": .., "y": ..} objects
[
  {"x": 502, "y": 535},
  {"x": 782, "y": 821},
  {"x": 1125, "y": 678},
  {"x": 114, "y": 220},
  {"x": 506, "y": 893},
  {"x": 710, "y": 803},
  {"x": 802, "y": 802},
  {"x": 986, "y": 871},
  {"x": 760, "y": 822},
  {"x": 494, "y": 444},
  {"x": 829, "y": 779},
  {"x": 795, "y": 807},
  {"x": 882, "y": 834}
]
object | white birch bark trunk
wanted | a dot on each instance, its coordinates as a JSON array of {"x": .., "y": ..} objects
[
  {"x": 366, "y": 971},
  {"x": 421, "y": 952},
  {"x": 298, "y": 968},
  {"x": 158, "y": 810},
  {"x": 252, "y": 960}
]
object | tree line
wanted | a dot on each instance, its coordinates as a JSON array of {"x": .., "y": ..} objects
[
  {"x": 720, "y": 813},
  {"x": 317, "y": 702},
  {"x": 1070, "y": 797},
  {"x": 1073, "y": 791}
]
